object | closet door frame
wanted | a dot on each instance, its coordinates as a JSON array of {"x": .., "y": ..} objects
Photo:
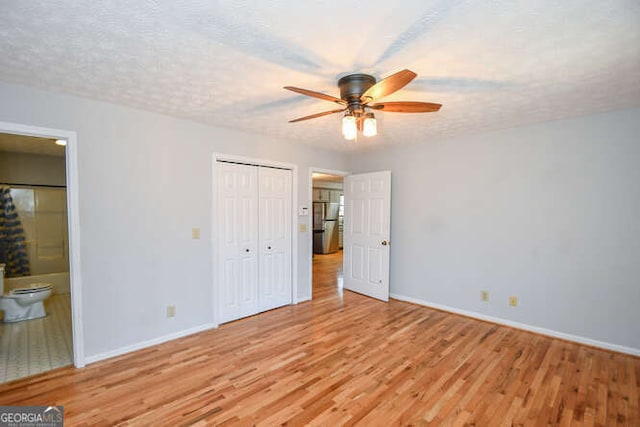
[{"x": 221, "y": 157}]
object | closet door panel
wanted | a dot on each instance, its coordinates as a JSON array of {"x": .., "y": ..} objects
[
  {"x": 274, "y": 284},
  {"x": 238, "y": 241}
]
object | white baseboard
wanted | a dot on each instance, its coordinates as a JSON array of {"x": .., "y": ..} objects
[
  {"x": 303, "y": 299},
  {"x": 144, "y": 344},
  {"x": 523, "y": 326}
]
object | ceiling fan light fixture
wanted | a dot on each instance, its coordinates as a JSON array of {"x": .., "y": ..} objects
[
  {"x": 370, "y": 127},
  {"x": 349, "y": 127},
  {"x": 361, "y": 92}
]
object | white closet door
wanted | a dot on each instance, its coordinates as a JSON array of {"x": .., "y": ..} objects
[
  {"x": 274, "y": 284},
  {"x": 238, "y": 241}
]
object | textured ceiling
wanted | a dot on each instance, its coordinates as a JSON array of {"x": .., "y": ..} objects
[{"x": 492, "y": 64}]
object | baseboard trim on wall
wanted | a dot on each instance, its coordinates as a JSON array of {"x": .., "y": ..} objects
[
  {"x": 542, "y": 331},
  {"x": 144, "y": 344}
]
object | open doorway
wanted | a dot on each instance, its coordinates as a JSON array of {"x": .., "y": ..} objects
[
  {"x": 35, "y": 306},
  {"x": 327, "y": 225},
  {"x": 58, "y": 245}
]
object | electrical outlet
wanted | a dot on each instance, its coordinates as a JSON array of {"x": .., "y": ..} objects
[
  {"x": 171, "y": 311},
  {"x": 484, "y": 295},
  {"x": 513, "y": 301},
  {"x": 303, "y": 228}
]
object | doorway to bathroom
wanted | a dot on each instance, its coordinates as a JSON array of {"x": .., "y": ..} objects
[
  {"x": 35, "y": 251},
  {"x": 327, "y": 224}
]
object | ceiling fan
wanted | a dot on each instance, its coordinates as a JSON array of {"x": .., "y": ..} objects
[{"x": 358, "y": 93}]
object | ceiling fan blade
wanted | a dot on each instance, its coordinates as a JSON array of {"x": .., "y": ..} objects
[
  {"x": 316, "y": 95},
  {"x": 406, "y": 107},
  {"x": 387, "y": 86},
  {"x": 313, "y": 116}
]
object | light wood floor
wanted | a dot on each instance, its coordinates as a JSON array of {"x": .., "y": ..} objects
[{"x": 348, "y": 360}]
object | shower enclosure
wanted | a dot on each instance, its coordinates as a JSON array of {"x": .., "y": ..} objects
[{"x": 40, "y": 218}]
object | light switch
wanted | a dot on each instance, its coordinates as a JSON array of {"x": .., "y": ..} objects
[
  {"x": 303, "y": 211},
  {"x": 171, "y": 311},
  {"x": 195, "y": 233},
  {"x": 303, "y": 228}
]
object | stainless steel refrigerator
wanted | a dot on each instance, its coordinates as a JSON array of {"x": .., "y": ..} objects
[{"x": 325, "y": 227}]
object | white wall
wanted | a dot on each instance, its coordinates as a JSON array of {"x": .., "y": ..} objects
[
  {"x": 31, "y": 169},
  {"x": 144, "y": 183},
  {"x": 549, "y": 213}
]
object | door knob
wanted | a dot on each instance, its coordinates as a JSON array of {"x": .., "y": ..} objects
[
  {"x": 269, "y": 247},
  {"x": 384, "y": 243},
  {"x": 247, "y": 250}
]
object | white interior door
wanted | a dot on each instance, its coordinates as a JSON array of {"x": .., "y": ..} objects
[
  {"x": 238, "y": 240},
  {"x": 274, "y": 225},
  {"x": 366, "y": 233}
]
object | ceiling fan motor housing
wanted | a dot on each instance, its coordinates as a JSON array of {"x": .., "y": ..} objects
[{"x": 352, "y": 87}]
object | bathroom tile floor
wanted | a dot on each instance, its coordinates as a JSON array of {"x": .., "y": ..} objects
[{"x": 33, "y": 346}]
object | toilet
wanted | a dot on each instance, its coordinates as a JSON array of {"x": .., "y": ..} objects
[{"x": 23, "y": 303}]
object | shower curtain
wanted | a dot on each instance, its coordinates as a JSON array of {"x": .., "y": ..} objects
[{"x": 13, "y": 250}]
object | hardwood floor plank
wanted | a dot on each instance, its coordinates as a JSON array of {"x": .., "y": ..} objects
[{"x": 345, "y": 359}]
